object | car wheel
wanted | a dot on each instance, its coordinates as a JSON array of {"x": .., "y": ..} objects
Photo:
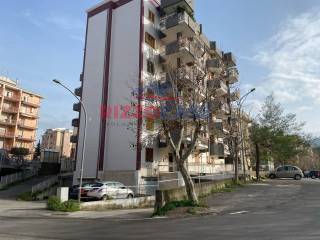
[
  {"x": 130, "y": 196},
  {"x": 313, "y": 177},
  {"x": 272, "y": 176},
  {"x": 105, "y": 197},
  {"x": 297, "y": 177}
]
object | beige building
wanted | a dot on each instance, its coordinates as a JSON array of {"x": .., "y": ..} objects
[
  {"x": 58, "y": 140},
  {"x": 19, "y": 113}
]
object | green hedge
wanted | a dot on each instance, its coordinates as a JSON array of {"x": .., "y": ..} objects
[{"x": 54, "y": 204}]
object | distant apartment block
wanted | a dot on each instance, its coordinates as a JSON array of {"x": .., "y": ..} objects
[
  {"x": 57, "y": 140},
  {"x": 19, "y": 116},
  {"x": 130, "y": 44}
]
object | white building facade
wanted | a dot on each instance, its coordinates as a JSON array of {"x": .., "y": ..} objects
[{"x": 127, "y": 43}]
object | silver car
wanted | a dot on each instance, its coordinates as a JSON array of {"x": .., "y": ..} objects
[{"x": 287, "y": 172}]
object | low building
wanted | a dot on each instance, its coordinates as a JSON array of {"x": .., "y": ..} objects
[{"x": 58, "y": 140}]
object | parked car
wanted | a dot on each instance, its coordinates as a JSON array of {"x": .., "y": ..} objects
[
  {"x": 110, "y": 190},
  {"x": 287, "y": 172},
  {"x": 306, "y": 173},
  {"x": 74, "y": 190},
  {"x": 314, "y": 174}
]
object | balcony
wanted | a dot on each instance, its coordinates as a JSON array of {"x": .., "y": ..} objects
[
  {"x": 218, "y": 107},
  {"x": 170, "y": 6},
  {"x": 74, "y": 139},
  {"x": 215, "y": 50},
  {"x": 78, "y": 91},
  {"x": 188, "y": 51},
  {"x": 229, "y": 59},
  {"x": 29, "y": 114},
  {"x": 181, "y": 22},
  {"x": 7, "y": 122},
  {"x": 235, "y": 96},
  {"x": 232, "y": 75},
  {"x": 75, "y": 122},
  {"x": 81, "y": 77},
  {"x": 77, "y": 107},
  {"x": 13, "y": 98},
  {"x": 10, "y": 109},
  {"x": 217, "y": 149},
  {"x": 217, "y": 87},
  {"x": 32, "y": 104},
  {"x": 150, "y": 53},
  {"x": 22, "y": 124},
  {"x": 214, "y": 65},
  {"x": 218, "y": 129},
  {"x": 25, "y": 138},
  {"x": 6, "y": 134}
]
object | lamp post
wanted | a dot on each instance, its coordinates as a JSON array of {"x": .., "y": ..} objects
[
  {"x": 240, "y": 103},
  {"x": 84, "y": 134}
]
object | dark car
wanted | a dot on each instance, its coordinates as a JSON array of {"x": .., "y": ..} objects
[
  {"x": 74, "y": 190},
  {"x": 314, "y": 174}
]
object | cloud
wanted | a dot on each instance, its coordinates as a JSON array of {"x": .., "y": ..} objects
[{"x": 292, "y": 57}]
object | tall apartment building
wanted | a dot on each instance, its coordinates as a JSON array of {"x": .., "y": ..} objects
[
  {"x": 58, "y": 139},
  {"x": 19, "y": 116},
  {"x": 129, "y": 44}
]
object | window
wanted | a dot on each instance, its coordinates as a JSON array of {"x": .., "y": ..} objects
[
  {"x": 149, "y": 154},
  {"x": 280, "y": 169},
  {"x": 9, "y": 94},
  {"x": 150, "y": 67},
  {"x": 151, "y": 16},
  {"x": 150, "y": 40},
  {"x": 150, "y": 124},
  {"x": 25, "y": 98}
]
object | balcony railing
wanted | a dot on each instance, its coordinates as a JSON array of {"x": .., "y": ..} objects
[
  {"x": 8, "y": 122},
  {"x": 232, "y": 75},
  {"x": 13, "y": 98},
  {"x": 74, "y": 139},
  {"x": 218, "y": 87},
  {"x": 32, "y": 104},
  {"x": 193, "y": 47},
  {"x": 22, "y": 124},
  {"x": 6, "y": 134},
  {"x": 218, "y": 106},
  {"x": 29, "y": 114},
  {"x": 77, "y": 107},
  {"x": 75, "y": 122},
  {"x": 214, "y": 65},
  {"x": 78, "y": 91},
  {"x": 10, "y": 109},
  {"x": 25, "y": 138},
  {"x": 175, "y": 19}
]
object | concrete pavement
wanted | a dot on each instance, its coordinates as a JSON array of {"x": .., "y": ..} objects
[{"x": 278, "y": 209}]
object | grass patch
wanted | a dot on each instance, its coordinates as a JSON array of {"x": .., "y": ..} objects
[
  {"x": 173, "y": 205},
  {"x": 27, "y": 196},
  {"x": 54, "y": 204}
]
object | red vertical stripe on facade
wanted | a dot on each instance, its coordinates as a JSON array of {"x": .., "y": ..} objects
[{"x": 139, "y": 124}]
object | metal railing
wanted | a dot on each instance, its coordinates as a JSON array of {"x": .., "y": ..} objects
[
  {"x": 178, "y": 18},
  {"x": 16, "y": 177}
]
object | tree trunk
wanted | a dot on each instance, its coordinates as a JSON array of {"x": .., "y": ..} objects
[
  {"x": 192, "y": 196},
  {"x": 257, "y": 161}
]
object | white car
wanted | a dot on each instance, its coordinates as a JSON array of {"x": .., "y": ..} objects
[{"x": 110, "y": 190}]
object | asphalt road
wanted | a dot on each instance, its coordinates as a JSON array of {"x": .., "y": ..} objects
[{"x": 278, "y": 209}]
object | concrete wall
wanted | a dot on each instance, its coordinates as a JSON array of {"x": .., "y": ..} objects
[{"x": 165, "y": 196}]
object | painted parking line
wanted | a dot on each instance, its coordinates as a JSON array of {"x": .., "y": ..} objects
[{"x": 236, "y": 213}]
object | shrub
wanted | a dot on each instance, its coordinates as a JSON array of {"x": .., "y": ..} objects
[
  {"x": 27, "y": 196},
  {"x": 54, "y": 204}
]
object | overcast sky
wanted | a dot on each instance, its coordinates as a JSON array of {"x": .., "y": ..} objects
[{"x": 276, "y": 42}]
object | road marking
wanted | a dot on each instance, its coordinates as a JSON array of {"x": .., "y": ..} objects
[{"x": 240, "y": 212}]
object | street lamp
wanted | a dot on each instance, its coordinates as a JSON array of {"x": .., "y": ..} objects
[
  {"x": 240, "y": 103},
  {"x": 84, "y": 133}
]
